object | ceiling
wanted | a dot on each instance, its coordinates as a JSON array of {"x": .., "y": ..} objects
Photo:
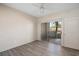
[{"x": 34, "y": 8}]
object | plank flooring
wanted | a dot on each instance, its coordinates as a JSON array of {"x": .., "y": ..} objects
[{"x": 40, "y": 48}]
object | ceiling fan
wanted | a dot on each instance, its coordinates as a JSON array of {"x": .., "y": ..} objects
[{"x": 41, "y": 6}]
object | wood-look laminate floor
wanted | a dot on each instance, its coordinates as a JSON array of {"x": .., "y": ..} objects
[
  {"x": 40, "y": 48},
  {"x": 55, "y": 41}
]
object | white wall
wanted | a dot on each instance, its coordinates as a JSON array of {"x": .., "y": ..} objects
[
  {"x": 65, "y": 16},
  {"x": 71, "y": 32},
  {"x": 16, "y": 28}
]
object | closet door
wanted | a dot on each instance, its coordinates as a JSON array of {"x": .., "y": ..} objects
[{"x": 71, "y": 33}]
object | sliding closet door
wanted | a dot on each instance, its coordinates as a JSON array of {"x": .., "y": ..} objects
[{"x": 71, "y": 33}]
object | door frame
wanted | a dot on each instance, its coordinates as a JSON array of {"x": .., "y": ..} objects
[{"x": 62, "y": 28}]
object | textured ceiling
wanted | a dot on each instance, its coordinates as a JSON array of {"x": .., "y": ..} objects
[{"x": 34, "y": 10}]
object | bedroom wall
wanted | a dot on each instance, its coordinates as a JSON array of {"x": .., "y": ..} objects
[{"x": 16, "y": 28}]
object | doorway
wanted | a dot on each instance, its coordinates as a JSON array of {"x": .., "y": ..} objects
[
  {"x": 51, "y": 31},
  {"x": 54, "y": 32}
]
